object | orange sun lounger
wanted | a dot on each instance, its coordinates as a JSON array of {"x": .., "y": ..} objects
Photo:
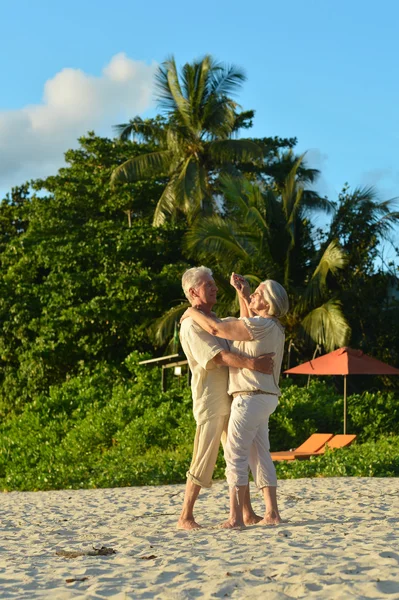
[
  {"x": 338, "y": 441},
  {"x": 330, "y": 441},
  {"x": 314, "y": 443}
]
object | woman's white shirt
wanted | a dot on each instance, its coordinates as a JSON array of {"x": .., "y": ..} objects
[{"x": 267, "y": 336}]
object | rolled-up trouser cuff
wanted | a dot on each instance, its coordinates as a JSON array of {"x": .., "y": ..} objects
[
  {"x": 262, "y": 484},
  {"x": 237, "y": 477},
  {"x": 201, "y": 483}
]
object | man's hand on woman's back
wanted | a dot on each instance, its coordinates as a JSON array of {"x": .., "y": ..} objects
[{"x": 265, "y": 363}]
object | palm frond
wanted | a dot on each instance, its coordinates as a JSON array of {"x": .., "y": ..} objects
[
  {"x": 256, "y": 219},
  {"x": 327, "y": 325},
  {"x": 256, "y": 214},
  {"x": 244, "y": 120},
  {"x": 386, "y": 205},
  {"x": 164, "y": 326},
  {"x": 385, "y": 219},
  {"x": 225, "y": 80},
  {"x": 387, "y": 223},
  {"x": 123, "y": 130},
  {"x": 170, "y": 94},
  {"x": 291, "y": 196},
  {"x": 143, "y": 166},
  {"x": 174, "y": 139},
  {"x": 230, "y": 185},
  {"x": 216, "y": 236},
  {"x": 218, "y": 118},
  {"x": 163, "y": 95},
  {"x": 245, "y": 200},
  {"x": 166, "y": 204},
  {"x": 188, "y": 76},
  {"x": 188, "y": 188},
  {"x": 332, "y": 260},
  {"x": 232, "y": 189},
  {"x": 286, "y": 162},
  {"x": 240, "y": 150},
  {"x": 254, "y": 191},
  {"x": 364, "y": 195},
  {"x": 362, "y": 204},
  {"x": 289, "y": 192},
  {"x": 195, "y": 79},
  {"x": 146, "y": 130},
  {"x": 273, "y": 207},
  {"x": 246, "y": 205},
  {"x": 311, "y": 200}
]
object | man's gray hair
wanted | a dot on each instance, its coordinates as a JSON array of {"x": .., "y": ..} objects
[
  {"x": 276, "y": 296},
  {"x": 192, "y": 278}
]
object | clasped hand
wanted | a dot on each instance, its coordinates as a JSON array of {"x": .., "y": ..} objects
[{"x": 240, "y": 284}]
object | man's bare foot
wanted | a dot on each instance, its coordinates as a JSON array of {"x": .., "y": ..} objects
[
  {"x": 252, "y": 519},
  {"x": 188, "y": 524},
  {"x": 272, "y": 518},
  {"x": 232, "y": 524}
]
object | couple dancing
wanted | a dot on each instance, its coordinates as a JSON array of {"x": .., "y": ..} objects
[{"x": 244, "y": 369}]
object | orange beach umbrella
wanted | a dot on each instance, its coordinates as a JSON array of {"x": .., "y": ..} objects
[{"x": 344, "y": 361}]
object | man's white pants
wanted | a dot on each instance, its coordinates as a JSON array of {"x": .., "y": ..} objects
[{"x": 248, "y": 441}]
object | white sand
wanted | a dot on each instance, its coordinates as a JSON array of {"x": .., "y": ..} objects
[{"x": 342, "y": 541}]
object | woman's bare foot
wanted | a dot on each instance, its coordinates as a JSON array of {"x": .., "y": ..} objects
[
  {"x": 271, "y": 518},
  {"x": 232, "y": 524},
  {"x": 188, "y": 524},
  {"x": 252, "y": 519}
]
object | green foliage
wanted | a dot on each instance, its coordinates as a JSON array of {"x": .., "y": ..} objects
[
  {"x": 105, "y": 428},
  {"x": 99, "y": 428},
  {"x": 303, "y": 411},
  {"x": 84, "y": 276},
  {"x": 370, "y": 459},
  {"x": 78, "y": 285}
]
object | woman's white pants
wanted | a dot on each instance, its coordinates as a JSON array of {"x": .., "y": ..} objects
[{"x": 247, "y": 444}]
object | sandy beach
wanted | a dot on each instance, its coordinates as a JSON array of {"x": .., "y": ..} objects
[{"x": 341, "y": 541}]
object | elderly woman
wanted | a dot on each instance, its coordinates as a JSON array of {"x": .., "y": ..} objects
[{"x": 255, "y": 395}]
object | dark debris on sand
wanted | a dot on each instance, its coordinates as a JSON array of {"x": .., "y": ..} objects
[{"x": 103, "y": 551}]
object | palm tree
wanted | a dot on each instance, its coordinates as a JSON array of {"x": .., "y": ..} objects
[
  {"x": 267, "y": 233},
  {"x": 361, "y": 221},
  {"x": 195, "y": 141}
]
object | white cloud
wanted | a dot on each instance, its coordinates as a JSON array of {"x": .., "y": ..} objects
[{"x": 34, "y": 138}]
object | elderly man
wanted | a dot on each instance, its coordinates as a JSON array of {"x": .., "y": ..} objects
[{"x": 209, "y": 358}]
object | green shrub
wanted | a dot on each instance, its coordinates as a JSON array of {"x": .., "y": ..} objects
[
  {"x": 100, "y": 428},
  {"x": 109, "y": 427},
  {"x": 303, "y": 411},
  {"x": 370, "y": 459}
]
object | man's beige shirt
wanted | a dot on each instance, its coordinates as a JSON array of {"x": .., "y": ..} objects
[
  {"x": 267, "y": 336},
  {"x": 208, "y": 382}
]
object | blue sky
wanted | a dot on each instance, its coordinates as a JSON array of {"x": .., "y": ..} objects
[{"x": 325, "y": 71}]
